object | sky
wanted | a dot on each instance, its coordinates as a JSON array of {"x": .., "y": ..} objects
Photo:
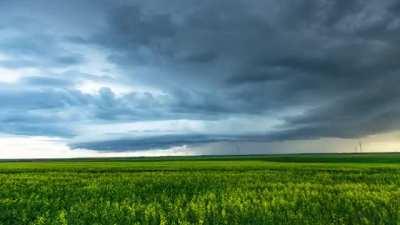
[{"x": 84, "y": 78}]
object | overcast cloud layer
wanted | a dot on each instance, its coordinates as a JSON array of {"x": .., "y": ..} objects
[{"x": 137, "y": 75}]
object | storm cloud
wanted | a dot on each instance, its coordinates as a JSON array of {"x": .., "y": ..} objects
[{"x": 301, "y": 70}]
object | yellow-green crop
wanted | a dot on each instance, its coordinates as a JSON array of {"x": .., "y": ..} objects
[{"x": 312, "y": 189}]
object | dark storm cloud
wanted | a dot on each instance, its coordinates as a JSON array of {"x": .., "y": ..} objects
[
  {"x": 150, "y": 143},
  {"x": 325, "y": 55},
  {"x": 364, "y": 112},
  {"x": 326, "y": 68}
]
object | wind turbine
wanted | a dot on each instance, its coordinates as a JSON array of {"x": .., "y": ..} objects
[{"x": 237, "y": 148}]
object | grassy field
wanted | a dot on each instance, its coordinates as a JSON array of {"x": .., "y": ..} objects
[{"x": 292, "y": 189}]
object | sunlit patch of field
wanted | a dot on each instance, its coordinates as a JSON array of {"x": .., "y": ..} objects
[{"x": 292, "y": 189}]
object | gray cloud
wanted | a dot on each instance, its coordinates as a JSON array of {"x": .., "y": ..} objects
[
  {"x": 34, "y": 49},
  {"x": 334, "y": 63},
  {"x": 309, "y": 53}
]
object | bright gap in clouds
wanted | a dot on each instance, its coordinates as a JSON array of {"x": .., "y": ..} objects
[
  {"x": 13, "y": 75},
  {"x": 18, "y": 147},
  {"x": 93, "y": 87}
]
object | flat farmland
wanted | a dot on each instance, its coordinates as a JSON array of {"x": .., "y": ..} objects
[{"x": 266, "y": 189}]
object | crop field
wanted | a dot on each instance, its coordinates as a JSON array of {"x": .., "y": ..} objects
[{"x": 277, "y": 189}]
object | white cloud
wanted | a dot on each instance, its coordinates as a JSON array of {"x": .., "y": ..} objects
[{"x": 13, "y": 75}]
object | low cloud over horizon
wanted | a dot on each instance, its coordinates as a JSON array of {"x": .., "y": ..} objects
[{"x": 203, "y": 77}]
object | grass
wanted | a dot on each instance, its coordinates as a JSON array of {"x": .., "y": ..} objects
[{"x": 276, "y": 189}]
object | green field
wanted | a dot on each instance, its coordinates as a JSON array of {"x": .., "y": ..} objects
[{"x": 277, "y": 189}]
